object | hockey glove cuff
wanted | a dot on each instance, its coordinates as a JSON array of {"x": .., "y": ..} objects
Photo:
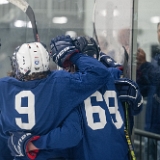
[
  {"x": 109, "y": 62},
  {"x": 18, "y": 144}
]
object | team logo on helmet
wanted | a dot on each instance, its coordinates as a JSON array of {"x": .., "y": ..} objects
[{"x": 36, "y": 61}]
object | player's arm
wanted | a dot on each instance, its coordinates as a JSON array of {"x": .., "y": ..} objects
[
  {"x": 90, "y": 75},
  {"x": 67, "y": 135},
  {"x": 90, "y": 71}
]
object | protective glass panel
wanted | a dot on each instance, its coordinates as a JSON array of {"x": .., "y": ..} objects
[
  {"x": 113, "y": 24},
  {"x": 109, "y": 20}
]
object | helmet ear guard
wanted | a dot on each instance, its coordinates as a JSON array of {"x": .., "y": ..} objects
[{"x": 30, "y": 58}]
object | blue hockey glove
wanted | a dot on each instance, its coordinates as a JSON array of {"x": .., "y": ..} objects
[
  {"x": 128, "y": 91},
  {"x": 18, "y": 142},
  {"x": 87, "y": 45},
  {"x": 62, "y": 48},
  {"x": 108, "y": 61}
]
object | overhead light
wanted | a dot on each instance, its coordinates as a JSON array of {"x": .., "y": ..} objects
[
  {"x": 155, "y": 19},
  {"x": 20, "y": 23},
  {"x": 104, "y": 13},
  {"x": 72, "y": 34},
  {"x": 115, "y": 12},
  {"x": 29, "y": 25},
  {"x": 60, "y": 20},
  {"x": 3, "y": 2}
]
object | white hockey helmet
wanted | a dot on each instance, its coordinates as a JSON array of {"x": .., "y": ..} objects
[{"x": 30, "y": 58}]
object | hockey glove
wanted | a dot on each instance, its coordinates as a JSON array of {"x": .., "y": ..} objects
[
  {"x": 87, "y": 45},
  {"x": 18, "y": 142},
  {"x": 108, "y": 61},
  {"x": 62, "y": 48},
  {"x": 128, "y": 91}
]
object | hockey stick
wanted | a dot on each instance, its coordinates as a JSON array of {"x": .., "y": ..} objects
[
  {"x": 26, "y": 8},
  {"x": 126, "y": 111},
  {"x": 94, "y": 24}
]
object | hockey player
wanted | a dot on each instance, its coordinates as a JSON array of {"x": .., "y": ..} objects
[
  {"x": 35, "y": 99},
  {"x": 103, "y": 119}
]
